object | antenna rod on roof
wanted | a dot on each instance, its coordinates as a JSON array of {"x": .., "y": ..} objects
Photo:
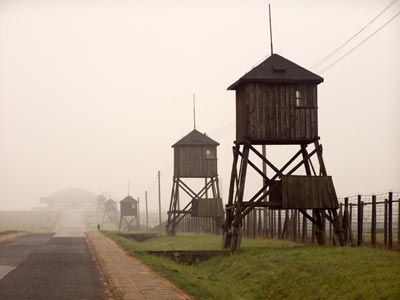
[
  {"x": 194, "y": 111},
  {"x": 270, "y": 29},
  {"x": 128, "y": 188}
]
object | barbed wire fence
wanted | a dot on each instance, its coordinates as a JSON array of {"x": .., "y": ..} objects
[{"x": 373, "y": 220}]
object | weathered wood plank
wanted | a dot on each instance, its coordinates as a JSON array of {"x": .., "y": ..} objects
[{"x": 269, "y": 112}]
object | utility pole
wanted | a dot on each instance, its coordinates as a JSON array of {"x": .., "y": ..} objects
[
  {"x": 159, "y": 198},
  {"x": 147, "y": 212},
  {"x": 138, "y": 212}
]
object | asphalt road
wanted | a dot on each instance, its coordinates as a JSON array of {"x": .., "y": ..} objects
[{"x": 48, "y": 266}]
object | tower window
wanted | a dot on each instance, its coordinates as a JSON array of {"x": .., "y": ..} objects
[
  {"x": 211, "y": 154},
  {"x": 300, "y": 99}
]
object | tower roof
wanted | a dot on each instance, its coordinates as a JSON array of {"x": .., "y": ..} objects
[
  {"x": 195, "y": 138},
  {"x": 277, "y": 69},
  {"x": 128, "y": 199}
]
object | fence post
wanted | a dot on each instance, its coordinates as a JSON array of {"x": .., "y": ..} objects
[
  {"x": 323, "y": 227},
  {"x": 398, "y": 223},
  {"x": 266, "y": 222},
  {"x": 279, "y": 224},
  {"x": 359, "y": 221},
  {"x": 285, "y": 225},
  {"x": 298, "y": 224},
  {"x": 271, "y": 235},
  {"x": 373, "y": 222},
  {"x": 390, "y": 225},
  {"x": 294, "y": 217},
  {"x": 385, "y": 224},
  {"x": 255, "y": 224},
  {"x": 273, "y": 223},
  {"x": 313, "y": 229},
  {"x": 345, "y": 225},
  {"x": 351, "y": 215},
  {"x": 304, "y": 232}
]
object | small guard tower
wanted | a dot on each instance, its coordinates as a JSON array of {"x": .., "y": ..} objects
[
  {"x": 276, "y": 104},
  {"x": 129, "y": 214},
  {"x": 110, "y": 212},
  {"x": 195, "y": 156}
]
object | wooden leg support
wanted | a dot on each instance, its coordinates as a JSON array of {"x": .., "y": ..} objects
[
  {"x": 339, "y": 233},
  {"x": 236, "y": 238},
  {"x": 319, "y": 228}
]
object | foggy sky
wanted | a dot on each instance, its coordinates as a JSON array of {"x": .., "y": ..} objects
[{"x": 94, "y": 93}]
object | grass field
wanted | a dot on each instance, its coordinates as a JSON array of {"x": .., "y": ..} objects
[
  {"x": 29, "y": 220},
  {"x": 7, "y": 232},
  {"x": 271, "y": 269}
]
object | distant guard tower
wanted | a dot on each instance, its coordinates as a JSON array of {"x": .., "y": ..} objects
[
  {"x": 129, "y": 214},
  {"x": 195, "y": 156},
  {"x": 276, "y": 104},
  {"x": 110, "y": 212},
  {"x": 101, "y": 200}
]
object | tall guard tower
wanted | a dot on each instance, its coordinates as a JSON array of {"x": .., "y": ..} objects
[
  {"x": 276, "y": 104},
  {"x": 195, "y": 156}
]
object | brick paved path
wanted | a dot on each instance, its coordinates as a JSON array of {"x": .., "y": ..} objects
[{"x": 128, "y": 277}]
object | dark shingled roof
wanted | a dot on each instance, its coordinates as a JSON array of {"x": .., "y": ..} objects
[
  {"x": 195, "y": 138},
  {"x": 280, "y": 70},
  {"x": 129, "y": 199}
]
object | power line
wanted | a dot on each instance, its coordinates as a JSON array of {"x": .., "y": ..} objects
[
  {"x": 231, "y": 125},
  {"x": 223, "y": 128},
  {"x": 317, "y": 64},
  {"x": 359, "y": 44},
  {"x": 228, "y": 127}
]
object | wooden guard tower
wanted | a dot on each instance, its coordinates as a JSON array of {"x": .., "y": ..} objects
[
  {"x": 110, "y": 212},
  {"x": 129, "y": 215},
  {"x": 195, "y": 156},
  {"x": 276, "y": 104}
]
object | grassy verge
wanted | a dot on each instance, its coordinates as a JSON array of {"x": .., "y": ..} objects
[
  {"x": 5, "y": 232},
  {"x": 265, "y": 269}
]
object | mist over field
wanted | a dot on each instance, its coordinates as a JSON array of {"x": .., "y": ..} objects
[
  {"x": 93, "y": 94},
  {"x": 200, "y": 150}
]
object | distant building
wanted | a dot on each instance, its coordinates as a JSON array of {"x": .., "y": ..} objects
[{"x": 70, "y": 198}]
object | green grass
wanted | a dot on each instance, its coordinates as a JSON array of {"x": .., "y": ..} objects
[{"x": 271, "y": 269}]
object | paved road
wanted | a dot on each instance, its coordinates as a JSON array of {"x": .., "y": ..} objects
[{"x": 47, "y": 266}]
